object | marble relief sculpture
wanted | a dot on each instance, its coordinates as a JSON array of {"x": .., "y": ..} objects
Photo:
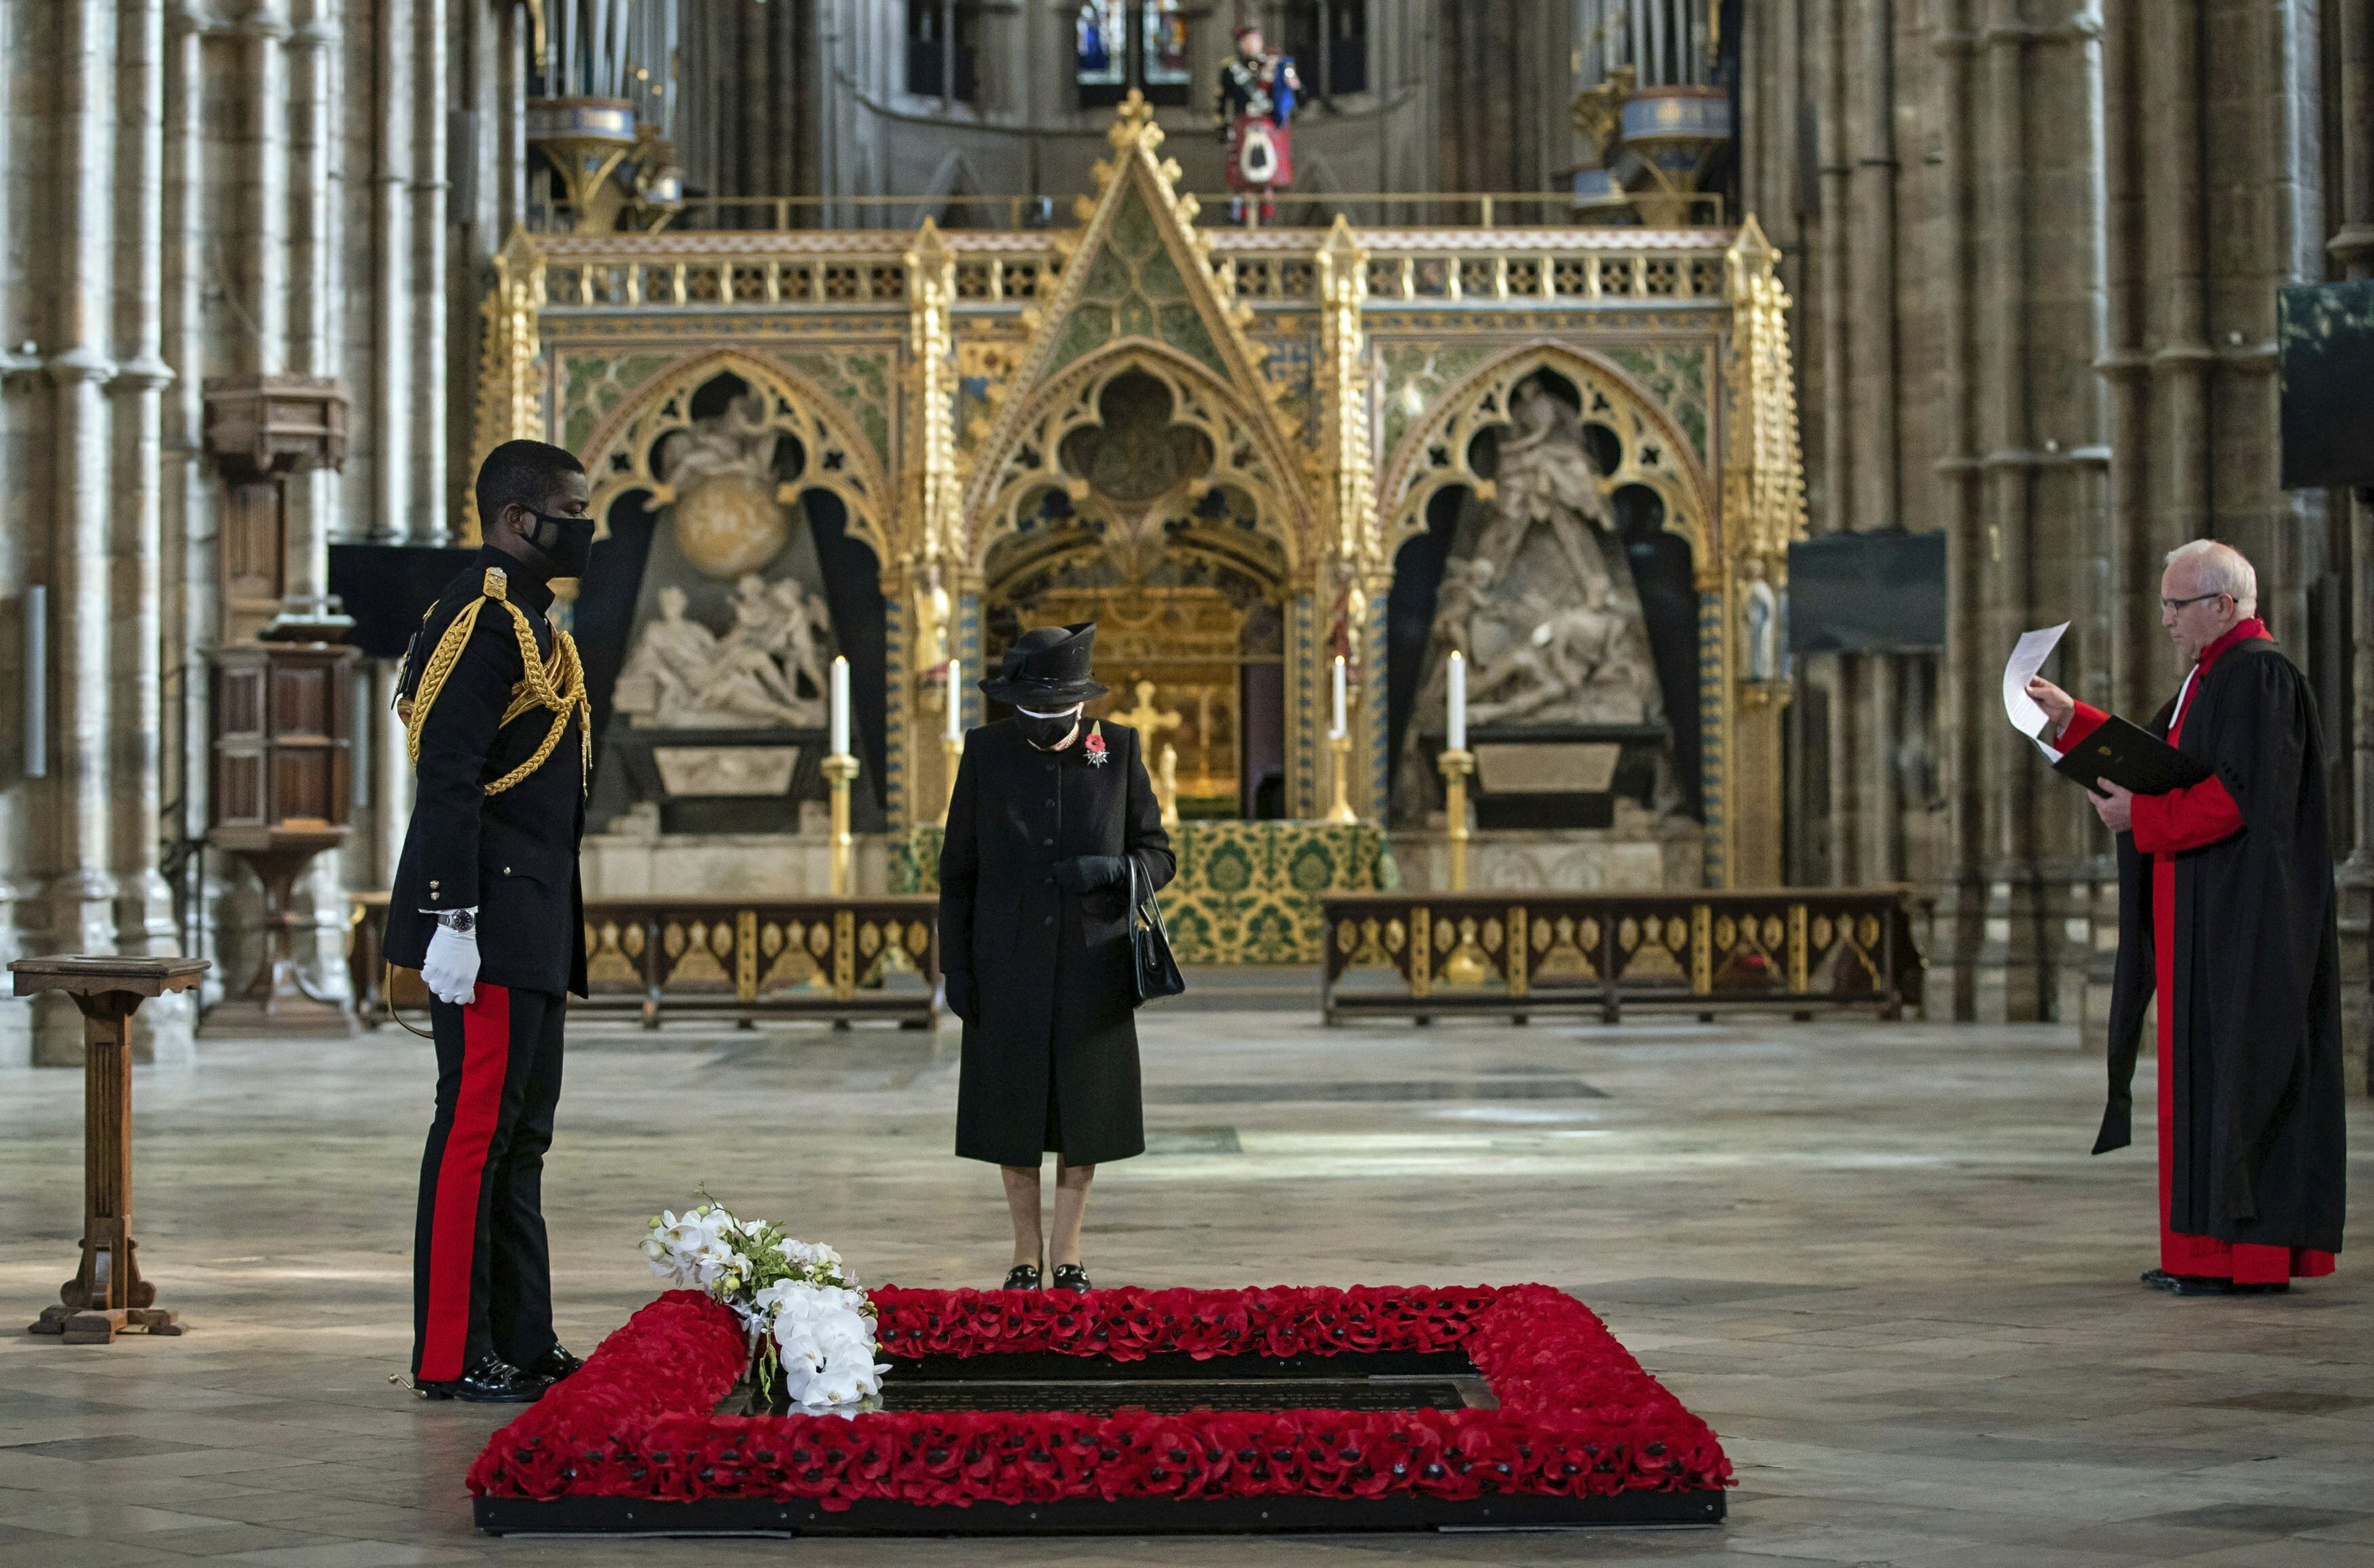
[
  {"x": 1542, "y": 601},
  {"x": 766, "y": 671},
  {"x": 1539, "y": 595}
]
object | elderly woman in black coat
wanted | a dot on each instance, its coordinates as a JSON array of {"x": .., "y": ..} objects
[{"x": 1050, "y": 813}]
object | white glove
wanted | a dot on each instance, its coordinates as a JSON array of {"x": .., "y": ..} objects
[{"x": 451, "y": 969}]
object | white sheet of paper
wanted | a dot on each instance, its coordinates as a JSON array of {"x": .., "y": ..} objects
[{"x": 2027, "y": 659}]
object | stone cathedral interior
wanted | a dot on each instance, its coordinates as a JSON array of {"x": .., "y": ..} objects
[{"x": 1554, "y": 487}]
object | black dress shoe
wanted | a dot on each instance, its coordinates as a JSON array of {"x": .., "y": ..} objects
[
  {"x": 1021, "y": 1277},
  {"x": 2218, "y": 1285},
  {"x": 553, "y": 1364},
  {"x": 1070, "y": 1277},
  {"x": 493, "y": 1381},
  {"x": 2159, "y": 1279}
]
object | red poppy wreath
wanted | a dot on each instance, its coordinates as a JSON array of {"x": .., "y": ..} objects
[{"x": 1577, "y": 1416}]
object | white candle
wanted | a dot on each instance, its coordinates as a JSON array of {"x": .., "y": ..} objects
[
  {"x": 1337, "y": 732},
  {"x": 956, "y": 699},
  {"x": 840, "y": 705},
  {"x": 1458, "y": 736}
]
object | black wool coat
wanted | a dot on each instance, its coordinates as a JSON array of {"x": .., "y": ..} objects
[
  {"x": 513, "y": 856},
  {"x": 1051, "y": 1050},
  {"x": 2257, "y": 1109}
]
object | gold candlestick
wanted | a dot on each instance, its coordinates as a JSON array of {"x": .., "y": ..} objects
[
  {"x": 1342, "y": 746},
  {"x": 952, "y": 748},
  {"x": 839, "y": 770},
  {"x": 1456, "y": 766}
]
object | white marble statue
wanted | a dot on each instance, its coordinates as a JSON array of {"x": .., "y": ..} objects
[
  {"x": 681, "y": 675},
  {"x": 1759, "y": 621},
  {"x": 738, "y": 443},
  {"x": 1538, "y": 594}
]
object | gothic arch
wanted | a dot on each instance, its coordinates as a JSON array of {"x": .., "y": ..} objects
[
  {"x": 839, "y": 459},
  {"x": 1655, "y": 454},
  {"x": 1247, "y": 453}
]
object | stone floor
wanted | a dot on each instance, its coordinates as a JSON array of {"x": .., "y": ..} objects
[{"x": 1876, "y": 1258}]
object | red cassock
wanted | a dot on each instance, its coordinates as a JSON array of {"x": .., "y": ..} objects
[{"x": 2166, "y": 825}]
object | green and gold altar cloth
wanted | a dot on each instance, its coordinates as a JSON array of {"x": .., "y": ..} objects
[{"x": 1247, "y": 891}]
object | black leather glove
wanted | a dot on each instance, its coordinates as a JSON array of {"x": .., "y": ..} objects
[
  {"x": 960, "y": 997},
  {"x": 1087, "y": 873}
]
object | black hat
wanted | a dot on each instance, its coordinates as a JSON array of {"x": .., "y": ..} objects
[{"x": 1047, "y": 669}]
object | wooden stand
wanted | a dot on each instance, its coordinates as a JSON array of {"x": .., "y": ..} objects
[
  {"x": 279, "y": 999},
  {"x": 108, "y": 1293}
]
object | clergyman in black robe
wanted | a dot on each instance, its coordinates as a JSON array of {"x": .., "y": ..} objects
[{"x": 2226, "y": 913}]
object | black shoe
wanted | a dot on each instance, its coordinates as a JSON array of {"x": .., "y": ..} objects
[
  {"x": 2217, "y": 1285},
  {"x": 1021, "y": 1277},
  {"x": 1071, "y": 1276},
  {"x": 553, "y": 1364},
  {"x": 493, "y": 1381},
  {"x": 2159, "y": 1279}
]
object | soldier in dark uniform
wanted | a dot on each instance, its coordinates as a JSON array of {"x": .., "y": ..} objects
[
  {"x": 487, "y": 905},
  {"x": 1048, "y": 812}
]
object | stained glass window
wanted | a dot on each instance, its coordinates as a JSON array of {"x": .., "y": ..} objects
[
  {"x": 1166, "y": 45},
  {"x": 1101, "y": 30},
  {"x": 1121, "y": 44}
]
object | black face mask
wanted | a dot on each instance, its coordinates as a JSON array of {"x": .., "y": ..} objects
[
  {"x": 1045, "y": 733},
  {"x": 565, "y": 542}
]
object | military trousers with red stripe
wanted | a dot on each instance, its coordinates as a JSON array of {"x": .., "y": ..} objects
[{"x": 481, "y": 1269}]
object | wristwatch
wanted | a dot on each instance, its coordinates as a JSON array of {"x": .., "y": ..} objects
[{"x": 461, "y": 922}]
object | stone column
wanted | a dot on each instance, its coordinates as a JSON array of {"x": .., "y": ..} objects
[
  {"x": 390, "y": 431},
  {"x": 316, "y": 184},
  {"x": 261, "y": 254},
  {"x": 2037, "y": 322},
  {"x": 430, "y": 505},
  {"x": 2352, "y": 247},
  {"x": 190, "y": 605},
  {"x": 316, "y": 347},
  {"x": 81, "y": 895},
  {"x": 144, "y": 902},
  {"x": 18, "y": 552}
]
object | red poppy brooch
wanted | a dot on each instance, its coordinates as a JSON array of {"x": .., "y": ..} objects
[{"x": 1094, "y": 745}]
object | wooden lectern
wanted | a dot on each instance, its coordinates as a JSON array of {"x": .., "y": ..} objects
[{"x": 108, "y": 1293}]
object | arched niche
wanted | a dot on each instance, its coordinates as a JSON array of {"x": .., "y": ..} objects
[
  {"x": 625, "y": 454},
  {"x": 1648, "y": 448},
  {"x": 818, "y": 489},
  {"x": 1437, "y": 488},
  {"x": 1139, "y": 499},
  {"x": 1245, "y": 456}
]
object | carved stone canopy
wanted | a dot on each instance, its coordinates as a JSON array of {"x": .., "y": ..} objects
[{"x": 263, "y": 425}]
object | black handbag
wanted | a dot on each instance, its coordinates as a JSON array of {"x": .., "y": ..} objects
[{"x": 1153, "y": 971}]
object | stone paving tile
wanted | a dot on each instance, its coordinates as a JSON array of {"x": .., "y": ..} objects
[{"x": 1876, "y": 1258}]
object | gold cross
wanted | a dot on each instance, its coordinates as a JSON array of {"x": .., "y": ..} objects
[{"x": 1144, "y": 717}]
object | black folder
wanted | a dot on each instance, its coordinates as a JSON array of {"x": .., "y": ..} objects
[{"x": 2131, "y": 759}]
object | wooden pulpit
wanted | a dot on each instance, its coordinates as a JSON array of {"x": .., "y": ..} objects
[
  {"x": 283, "y": 719},
  {"x": 108, "y": 1292}
]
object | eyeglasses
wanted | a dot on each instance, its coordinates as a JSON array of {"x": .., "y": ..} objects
[{"x": 2181, "y": 603}]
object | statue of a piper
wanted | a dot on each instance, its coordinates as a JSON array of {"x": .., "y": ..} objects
[{"x": 1257, "y": 94}]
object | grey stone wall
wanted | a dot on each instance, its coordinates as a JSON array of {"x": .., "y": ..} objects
[{"x": 2035, "y": 248}]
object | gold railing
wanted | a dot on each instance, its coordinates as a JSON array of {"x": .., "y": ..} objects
[
  {"x": 868, "y": 268},
  {"x": 1481, "y": 209},
  {"x": 1516, "y": 954}
]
